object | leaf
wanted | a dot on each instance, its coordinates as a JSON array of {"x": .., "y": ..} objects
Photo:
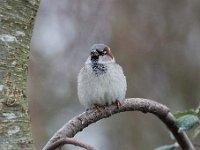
[
  {"x": 194, "y": 132},
  {"x": 187, "y": 122},
  {"x": 188, "y": 112},
  {"x": 167, "y": 147},
  {"x": 197, "y": 111}
]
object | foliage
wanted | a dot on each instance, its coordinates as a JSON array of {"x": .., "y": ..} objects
[{"x": 187, "y": 121}]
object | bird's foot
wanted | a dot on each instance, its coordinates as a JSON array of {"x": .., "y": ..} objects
[{"x": 118, "y": 103}]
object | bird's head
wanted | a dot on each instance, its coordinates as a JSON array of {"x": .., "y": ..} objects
[{"x": 101, "y": 53}]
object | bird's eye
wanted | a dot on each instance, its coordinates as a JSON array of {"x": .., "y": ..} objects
[
  {"x": 100, "y": 52},
  {"x": 106, "y": 50}
]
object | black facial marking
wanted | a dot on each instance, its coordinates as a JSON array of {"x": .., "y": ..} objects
[
  {"x": 99, "y": 69},
  {"x": 94, "y": 58},
  {"x": 100, "y": 52}
]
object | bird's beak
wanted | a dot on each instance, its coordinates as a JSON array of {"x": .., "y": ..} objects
[{"x": 94, "y": 53}]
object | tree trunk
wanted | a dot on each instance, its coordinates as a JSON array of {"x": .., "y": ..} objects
[{"x": 16, "y": 23}]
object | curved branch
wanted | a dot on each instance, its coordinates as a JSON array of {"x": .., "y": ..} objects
[
  {"x": 72, "y": 141},
  {"x": 83, "y": 120}
]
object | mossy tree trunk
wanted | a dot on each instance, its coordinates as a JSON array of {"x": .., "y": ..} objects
[{"x": 16, "y": 23}]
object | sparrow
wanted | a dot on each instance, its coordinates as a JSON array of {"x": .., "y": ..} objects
[{"x": 101, "y": 81}]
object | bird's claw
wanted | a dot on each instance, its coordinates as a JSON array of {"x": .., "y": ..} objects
[{"x": 118, "y": 103}]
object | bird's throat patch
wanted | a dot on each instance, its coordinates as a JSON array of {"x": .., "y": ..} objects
[{"x": 99, "y": 69}]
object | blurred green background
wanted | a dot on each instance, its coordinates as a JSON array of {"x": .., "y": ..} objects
[{"x": 156, "y": 42}]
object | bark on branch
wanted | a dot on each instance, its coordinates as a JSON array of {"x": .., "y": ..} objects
[{"x": 78, "y": 123}]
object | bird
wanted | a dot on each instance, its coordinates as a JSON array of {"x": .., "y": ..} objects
[{"x": 101, "y": 81}]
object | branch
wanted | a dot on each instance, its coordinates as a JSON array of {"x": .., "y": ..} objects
[
  {"x": 78, "y": 123},
  {"x": 72, "y": 141}
]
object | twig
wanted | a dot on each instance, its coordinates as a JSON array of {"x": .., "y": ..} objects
[
  {"x": 83, "y": 120},
  {"x": 72, "y": 141}
]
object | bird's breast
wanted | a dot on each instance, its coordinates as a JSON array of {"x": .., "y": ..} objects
[{"x": 101, "y": 84}]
